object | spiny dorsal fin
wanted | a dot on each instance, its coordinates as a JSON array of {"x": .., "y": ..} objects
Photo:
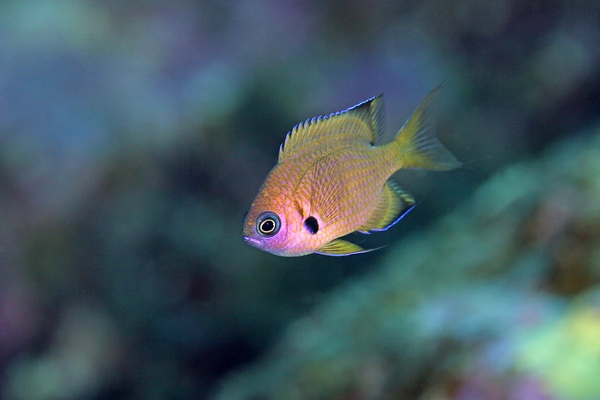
[{"x": 363, "y": 122}]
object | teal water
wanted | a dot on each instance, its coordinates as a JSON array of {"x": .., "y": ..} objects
[{"x": 134, "y": 135}]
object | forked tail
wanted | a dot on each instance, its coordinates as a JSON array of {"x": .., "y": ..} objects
[{"x": 416, "y": 140}]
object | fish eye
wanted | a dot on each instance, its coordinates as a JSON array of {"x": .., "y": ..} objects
[{"x": 268, "y": 224}]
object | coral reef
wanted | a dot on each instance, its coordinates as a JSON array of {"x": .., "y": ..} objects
[{"x": 499, "y": 300}]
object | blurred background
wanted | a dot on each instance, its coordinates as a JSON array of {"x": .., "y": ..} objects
[{"x": 134, "y": 136}]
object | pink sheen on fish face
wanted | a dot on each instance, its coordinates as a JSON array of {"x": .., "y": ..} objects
[
  {"x": 292, "y": 238},
  {"x": 282, "y": 243},
  {"x": 266, "y": 230},
  {"x": 273, "y": 244}
]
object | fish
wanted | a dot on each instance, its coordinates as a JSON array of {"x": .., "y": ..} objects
[{"x": 333, "y": 177}]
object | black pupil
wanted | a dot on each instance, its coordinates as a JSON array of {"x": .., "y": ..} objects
[{"x": 267, "y": 226}]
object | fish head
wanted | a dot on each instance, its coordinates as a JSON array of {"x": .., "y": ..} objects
[
  {"x": 271, "y": 227},
  {"x": 275, "y": 221}
]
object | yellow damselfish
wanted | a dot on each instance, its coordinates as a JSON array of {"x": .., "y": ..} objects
[{"x": 333, "y": 178}]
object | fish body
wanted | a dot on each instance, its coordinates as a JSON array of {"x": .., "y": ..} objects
[{"x": 333, "y": 178}]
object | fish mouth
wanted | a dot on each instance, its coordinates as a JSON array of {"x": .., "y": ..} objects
[{"x": 252, "y": 241}]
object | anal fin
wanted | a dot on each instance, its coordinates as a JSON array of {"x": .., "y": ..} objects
[
  {"x": 341, "y": 247},
  {"x": 394, "y": 203}
]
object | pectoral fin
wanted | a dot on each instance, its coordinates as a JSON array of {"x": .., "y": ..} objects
[{"x": 341, "y": 247}]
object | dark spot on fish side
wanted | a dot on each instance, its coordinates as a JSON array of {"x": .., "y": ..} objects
[{"x": 311, "y": 225}]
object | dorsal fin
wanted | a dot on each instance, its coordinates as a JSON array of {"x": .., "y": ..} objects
[
  {"x": 363, "y": 122},
  {"x": 372, "y": 112}
]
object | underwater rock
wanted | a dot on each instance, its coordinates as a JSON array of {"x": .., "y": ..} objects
[{"x": 486, "y": 304}]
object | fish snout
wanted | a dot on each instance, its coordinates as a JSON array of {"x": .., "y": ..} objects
[{"x": 252, "y": 241}]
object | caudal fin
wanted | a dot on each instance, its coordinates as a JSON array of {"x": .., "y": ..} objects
[{"x": 417, "y": 142}]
